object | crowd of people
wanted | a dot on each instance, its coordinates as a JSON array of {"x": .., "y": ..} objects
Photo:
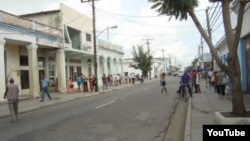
[
  {"x": 216, "y": 80},
  {"x": 88, "y": 83}
]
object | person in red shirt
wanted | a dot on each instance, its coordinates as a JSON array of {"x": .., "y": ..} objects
[{"x": 193, "y": 78}]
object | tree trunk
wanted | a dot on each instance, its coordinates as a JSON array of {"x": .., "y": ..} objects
[{"x": 238, "y": 107}]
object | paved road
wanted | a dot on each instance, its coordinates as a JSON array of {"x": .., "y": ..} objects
[{"x": 137, "y": 113}]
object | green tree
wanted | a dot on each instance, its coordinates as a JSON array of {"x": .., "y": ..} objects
[
  {"x": 142, "y": 60},
  {"x": 180, "y": 9}
]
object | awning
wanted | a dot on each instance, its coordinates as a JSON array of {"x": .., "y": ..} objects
[{"x": 72, "y": 53}]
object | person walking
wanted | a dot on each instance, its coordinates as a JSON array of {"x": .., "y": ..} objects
[
  {"x": 44, "y": 83},
  {"x": 220, "y": 85},
  {"x": 12, "y": 91},
  {"x": 163, "y": 83},
  {"x": 70, "y": 85}
]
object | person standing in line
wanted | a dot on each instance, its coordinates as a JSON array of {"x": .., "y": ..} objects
[
  {"x": 104, "y": 82},
  {"x": 117, "y": 79},
  {"x": 79, "y": 82},
  {"x": 111, "y": 80},
  {"x": 220, "y": 84},
  {"x": 163, "y": 83},
  {"x": 44, "y": 82},
  {"x": 12, "y": 91},
  {"x": 85, "y": 83},
  {"x": 108, "y": 81},
  {"x": 94, "y": 82},
  {"x": 91, "y": 83},
  {"x": 70, "y": 85},
  {"x": 114, "y": 79}
]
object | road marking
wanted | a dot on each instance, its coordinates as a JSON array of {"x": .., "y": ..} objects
[{"x": 104, "y": 104}]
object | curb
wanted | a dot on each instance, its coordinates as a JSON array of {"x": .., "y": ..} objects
[{"x": 187, "y": 134}]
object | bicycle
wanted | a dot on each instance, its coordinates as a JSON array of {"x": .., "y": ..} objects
[{"x": 184, "y": 92}]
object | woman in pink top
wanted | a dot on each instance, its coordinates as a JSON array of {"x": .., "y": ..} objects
[{"x": 70, "y": 85}]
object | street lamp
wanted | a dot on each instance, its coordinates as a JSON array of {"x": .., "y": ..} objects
[{"x": 112, "y": 27}]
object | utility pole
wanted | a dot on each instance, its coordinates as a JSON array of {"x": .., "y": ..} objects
[
  {"x": 94, "y": 39},
  {"x": 170, "y": 63},
  {"x": 209, "y": 34},
  {"x": 147, "y": 42},
  {"x": 163, "y": 59}
]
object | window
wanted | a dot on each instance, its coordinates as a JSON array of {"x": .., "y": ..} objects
[
  {"x": 79, "y": 71},
  {"x": 88, "y": 37},
  {"x": 74, "y": 72},
  {"x": 25, "y": 79},
  {"x": 24, "y": 61}
]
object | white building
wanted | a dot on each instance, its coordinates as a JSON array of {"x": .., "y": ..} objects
[
  {"x": 26, "y": 51},
  {"x": 59, "y": 45}
]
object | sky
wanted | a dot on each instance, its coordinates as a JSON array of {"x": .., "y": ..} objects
[{"x": 136, "y": 22}]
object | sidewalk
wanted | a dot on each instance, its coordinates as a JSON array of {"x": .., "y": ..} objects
[
  {"x": 201, "y": 111},
  {"x": 29, "y": 104}
]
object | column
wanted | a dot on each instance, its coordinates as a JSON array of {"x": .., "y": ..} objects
[
  {"x": 116, "y": 66},
  {"x": 2, "y": 70},
  {"x": 105, "y": 67},
  {"x": 61, "y": 75},
  {"x": 99, "y": 80},
  {"x": 34, "y": 87},
  {"x": 111, "y": 66},
  {"x": 122, "y": 71}
]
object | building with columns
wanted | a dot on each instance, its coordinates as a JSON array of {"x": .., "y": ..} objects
[
  {"x": 26, "y": 51},
  {"x": 78, "y": 42},
  {"x": 57, "y": 44},
  {"x": 110, "y": 58}
]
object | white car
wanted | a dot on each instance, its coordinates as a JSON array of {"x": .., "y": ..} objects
[{"x": 180, "y": 73}]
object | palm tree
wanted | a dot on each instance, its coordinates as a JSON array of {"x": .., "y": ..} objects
[
  {"x": 142, "y": 60},
  {"x": 180, "y": 9}
]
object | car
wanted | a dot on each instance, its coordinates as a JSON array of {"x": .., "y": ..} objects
[
  {"x": 180, "y": 73},
  {"x": 175, "y": 73}
]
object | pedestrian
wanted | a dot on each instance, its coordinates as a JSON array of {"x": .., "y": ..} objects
[
  {"x": 79, "y": 82},
  {"x": 197, "y": 81},
  {"x": 213, "y": 78},
  {"x": 44, "y": 83},
  {"x": 210, "y": 74},
  {"x": 111, "y": 80},
  {"x": 91, "y": 82},
  {"x": 220, "y": 85},
  {"x": 70, "y": 85},
  {"x": 94, "y": 82},
  {"x": 12, "y": 91},
  {"x": 185, "y": 82},
  {"x": 85, "y": 83},
  {"x": 163, "y": 83},
  {"x": 104, "y": 82}
]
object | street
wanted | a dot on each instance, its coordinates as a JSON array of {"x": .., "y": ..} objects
[{"x": 137, "y": 113}]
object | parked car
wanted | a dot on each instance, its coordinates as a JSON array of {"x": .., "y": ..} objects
[
  {"x": 180, "y": 73},
  {"x": 175, "y": 73}
]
